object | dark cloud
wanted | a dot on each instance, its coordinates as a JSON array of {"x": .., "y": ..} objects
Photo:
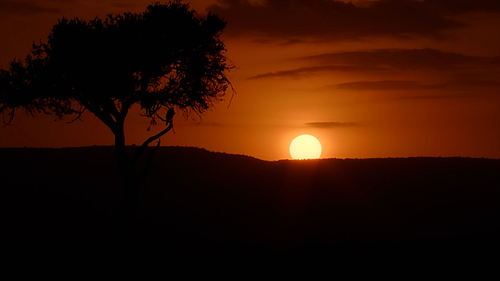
[
  {"x": 20, "y": 7},
  {"x": 337, "y": 20},
  {"x": 457, "y": 72},
  {"x": 381, "y": 85},
  {"x": 455, "y": 83},
  {"x": 403, "y": 86},
  {"x": 204, "y": 124},
  {"x": 430, "y": 97},
  {"x": 310, "y": 71},
  {"x": 463, "y": 6},
  {"x": 328, "y": 125},
  {"x": 386, "y": 60},
  {"x": 396, "y": 59}
]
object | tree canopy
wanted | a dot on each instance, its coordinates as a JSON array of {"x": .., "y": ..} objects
[{"x": 165, "y": 57}]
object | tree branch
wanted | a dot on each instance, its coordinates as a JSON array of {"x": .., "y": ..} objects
[
  {"x": 112, "y": 108},
  {"x": 140, "y": 150},
  {"x": 78, "y": 117},
  {"x": 126, "y": 104},
  {"x": 146, "y": 170},
  {"x": 103, "y": 116},
  {"x": 11, "y": 116}
]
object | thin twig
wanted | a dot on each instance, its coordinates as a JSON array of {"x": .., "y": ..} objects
[
  {"x": 78, "y": 117},
  {"x": 232, "y": 95}
]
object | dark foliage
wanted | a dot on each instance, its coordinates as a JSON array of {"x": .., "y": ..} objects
[
  {"x": 166, "y": 57},
  {"x": 163, "y": 59}
]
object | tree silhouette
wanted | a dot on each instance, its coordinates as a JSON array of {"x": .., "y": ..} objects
[{"x": 164, "y": 59}]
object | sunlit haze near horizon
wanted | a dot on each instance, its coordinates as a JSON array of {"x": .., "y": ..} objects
[{"x": 369, "y": 79}]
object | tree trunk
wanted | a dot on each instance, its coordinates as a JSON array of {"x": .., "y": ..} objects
[
  {"x": 131, "y": 178},
  {"x": 131, "y": 185}
]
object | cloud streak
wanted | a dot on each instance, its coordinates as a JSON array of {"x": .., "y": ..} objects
[
  {"x": 203, "y": 124},
  {"x": 403, "y": 59},
  {"x": 388, "y": 85},
  {"x": 393, "y": 85},
  {"x": 456, "y": 72},
  {"x": 311, "y": 71},
  {"x": 330, "y": 125}
]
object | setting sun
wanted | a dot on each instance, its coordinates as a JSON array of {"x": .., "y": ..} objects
[{"x": 305, "y": 147}]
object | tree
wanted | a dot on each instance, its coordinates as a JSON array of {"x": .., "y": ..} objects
[{"x": 164, "y": 59}]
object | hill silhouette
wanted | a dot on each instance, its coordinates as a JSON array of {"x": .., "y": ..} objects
[{"x": 196, "y": 199}]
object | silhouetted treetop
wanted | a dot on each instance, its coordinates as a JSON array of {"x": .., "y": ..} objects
[{"x": 165, "y": 57}]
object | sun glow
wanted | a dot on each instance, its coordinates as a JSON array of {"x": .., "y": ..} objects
[{"x": 305, "y": 147}]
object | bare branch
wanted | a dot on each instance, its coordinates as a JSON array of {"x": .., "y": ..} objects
[
  {"x": 126, "y": 104},
  {"x": 11, "y": 117},
  {"x": 146, "y": 170},
  {"x": 140, "y": 150},
  {"x": 80, "y": 112},
  {"x": 103, "y": 116},
  {"x": 110, "y": 107},
  {"x": 232, "y": 95}
]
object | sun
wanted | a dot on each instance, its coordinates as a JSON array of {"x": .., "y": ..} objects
[{"x": 305, "y": 147}]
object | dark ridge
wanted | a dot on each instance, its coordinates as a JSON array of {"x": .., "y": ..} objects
[{"x": 196, "y": 199}]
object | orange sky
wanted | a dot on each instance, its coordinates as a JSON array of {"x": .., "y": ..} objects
[{"x": 369, "y": 79}]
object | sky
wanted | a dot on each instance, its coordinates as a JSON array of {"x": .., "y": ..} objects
[{"x": 381, "y": 78}]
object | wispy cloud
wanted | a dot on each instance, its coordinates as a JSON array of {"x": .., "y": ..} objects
[
  {"x": 204, "y": 124},
  {"x": 456, "y": 83},
  {"x": 381, "y": 85},
  {"x": 329, "y": 125},
  {"x": 396, "y": 59},
  {"x": 430, "y": 97},
  {"x": 310, "y": 71},
  {"x": 456, "y": 71}
]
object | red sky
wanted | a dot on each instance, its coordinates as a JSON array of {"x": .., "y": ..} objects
[{"x": 368, "y": 78}]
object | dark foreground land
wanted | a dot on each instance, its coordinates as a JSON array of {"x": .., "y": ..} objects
[{"x": 196, "y": 200}]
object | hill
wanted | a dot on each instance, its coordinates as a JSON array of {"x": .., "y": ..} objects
[{"x": 196, "y": 199}]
